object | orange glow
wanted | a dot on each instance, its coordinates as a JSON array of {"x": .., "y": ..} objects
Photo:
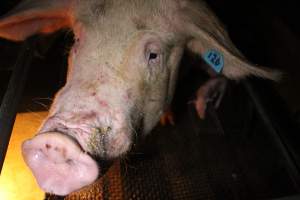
[{"x": 16, "y": 180}]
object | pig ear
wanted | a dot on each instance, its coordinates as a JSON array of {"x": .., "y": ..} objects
[
  {"x": 211, "y": 41},
  {"x": 36, "y": 16}
]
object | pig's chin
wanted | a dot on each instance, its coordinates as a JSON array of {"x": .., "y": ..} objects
[
  {"x": 116, "y": 145},
  {"x": 58, "y": 163}
]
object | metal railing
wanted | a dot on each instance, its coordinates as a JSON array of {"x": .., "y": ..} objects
[{"x": 11, "y": 99}]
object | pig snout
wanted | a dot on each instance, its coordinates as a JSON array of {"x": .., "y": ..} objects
[
  {"x": 58, "y": 163},
  {"x": 64, "y": 155}
]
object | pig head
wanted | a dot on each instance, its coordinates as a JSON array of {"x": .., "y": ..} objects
[{"x": 121, "y": 76}]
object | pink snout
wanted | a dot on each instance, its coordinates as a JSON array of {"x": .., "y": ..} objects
[{"x": 58, "y": 163}]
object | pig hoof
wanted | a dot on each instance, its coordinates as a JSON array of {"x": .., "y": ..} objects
[
  {"x": 58, "y": 163},
  {"x": 167, "y": 118}
]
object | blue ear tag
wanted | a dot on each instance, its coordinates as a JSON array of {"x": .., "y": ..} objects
[{"x": 214, "y": 59}]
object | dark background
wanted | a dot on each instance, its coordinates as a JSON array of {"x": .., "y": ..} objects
[{"x": 267, "y": 32}]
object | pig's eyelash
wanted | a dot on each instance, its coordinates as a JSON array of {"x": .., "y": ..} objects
[
  {"x": 47, "y": 107},
  {"x": 44, "y": 98},
  {"x": 37, "y": 116},
  {"x": 39, "y": 99}
]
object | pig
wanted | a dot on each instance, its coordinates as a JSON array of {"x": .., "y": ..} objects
[{"x": 122, "y": 73}]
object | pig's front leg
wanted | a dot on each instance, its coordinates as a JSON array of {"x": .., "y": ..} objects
[{"x": 211, "y": 91}]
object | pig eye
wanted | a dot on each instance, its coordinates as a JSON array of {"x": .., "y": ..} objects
[
  {"x": 153, "y": 59},
  {"x": 153, "y": 54}
]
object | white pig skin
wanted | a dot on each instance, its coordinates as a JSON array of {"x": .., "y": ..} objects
[{"x": 123, "y": 66}]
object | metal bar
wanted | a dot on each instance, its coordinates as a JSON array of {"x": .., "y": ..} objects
[
  {"x": 290, "y": 162},
  {"x": 13, "y": 95}
]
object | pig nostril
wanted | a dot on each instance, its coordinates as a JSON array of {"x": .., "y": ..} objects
[{"x": 58, "y": 163}]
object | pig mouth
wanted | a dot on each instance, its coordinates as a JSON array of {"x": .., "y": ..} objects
[
  {"x": 59, "y": 163},
  {"x": 64, "y": 157}
]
